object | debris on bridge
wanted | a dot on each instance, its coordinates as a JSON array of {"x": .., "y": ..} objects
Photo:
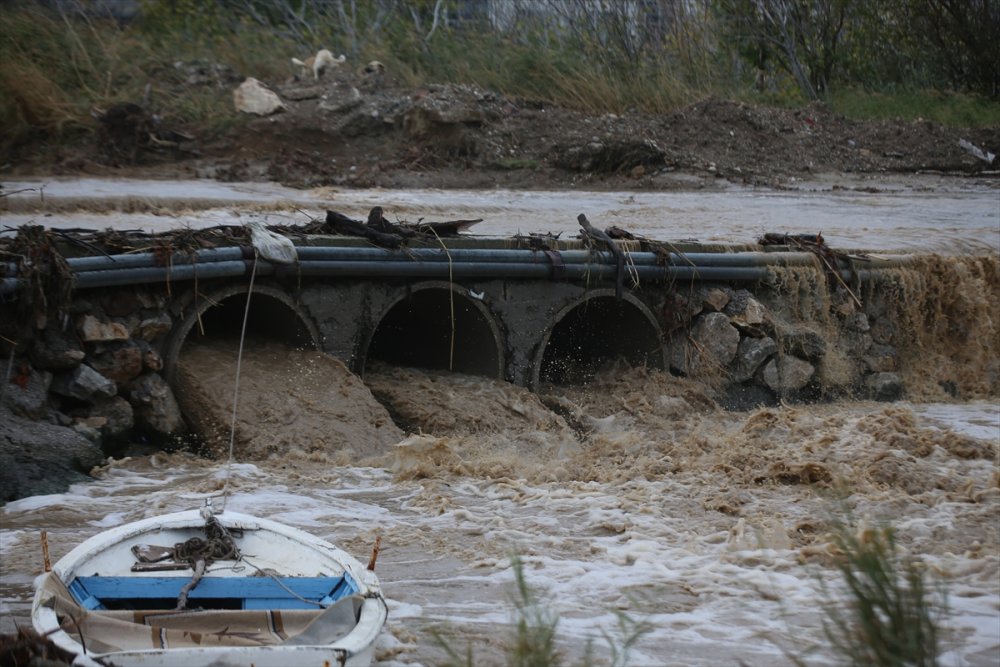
[{"x": 829, "y": 259}]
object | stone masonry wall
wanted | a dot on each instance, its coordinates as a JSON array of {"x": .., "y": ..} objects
[{"x": 97, "y": 369}]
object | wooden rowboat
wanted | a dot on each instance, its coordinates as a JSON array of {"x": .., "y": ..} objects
[{"x": 196, "y": 589}]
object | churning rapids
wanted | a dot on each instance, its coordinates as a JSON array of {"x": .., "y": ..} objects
[{"x": 634, "y": 497}]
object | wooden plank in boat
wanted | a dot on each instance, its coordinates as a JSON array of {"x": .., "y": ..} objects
[{"x": 246, "y": 588}]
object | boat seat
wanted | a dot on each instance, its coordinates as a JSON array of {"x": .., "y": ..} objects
[{"x": 224, "y": 593}]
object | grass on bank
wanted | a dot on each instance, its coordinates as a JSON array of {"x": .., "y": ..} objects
[{"x": 947, "y": 108}]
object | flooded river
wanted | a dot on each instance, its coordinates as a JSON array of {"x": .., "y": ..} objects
[
  {"x": 634, "y": 503},
  {"x": 925, "y": 214}
]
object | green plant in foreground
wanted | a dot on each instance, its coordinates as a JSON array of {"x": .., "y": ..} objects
[
  {"x": 533, "y": 641},
  {"x": 890, "y": 618}
]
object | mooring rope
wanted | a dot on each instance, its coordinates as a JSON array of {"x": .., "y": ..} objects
[
  {"x": 236, "y": 388},
  {"x": 451, "y": 299},
  {"x": 280, "y": 583}
]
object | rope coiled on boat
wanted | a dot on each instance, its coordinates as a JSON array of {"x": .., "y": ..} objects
[{"x": 217, "y": 545}]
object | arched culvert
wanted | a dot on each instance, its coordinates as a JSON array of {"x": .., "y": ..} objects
[
  {"x": 437, "y": 325},
  {"x": 597, "y": 330},
  {"x": 273, "y": 315}
]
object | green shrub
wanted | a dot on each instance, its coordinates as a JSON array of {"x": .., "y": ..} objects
[{"x": 889, "y": 619}]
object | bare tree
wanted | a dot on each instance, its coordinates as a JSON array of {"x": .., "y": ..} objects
[{"x": 804, "y": 36}]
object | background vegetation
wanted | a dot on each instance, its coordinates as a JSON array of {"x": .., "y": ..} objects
[{"x": 61, "y": 59}]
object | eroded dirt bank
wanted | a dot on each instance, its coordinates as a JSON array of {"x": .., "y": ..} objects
[{"x": 353, "y": 130}]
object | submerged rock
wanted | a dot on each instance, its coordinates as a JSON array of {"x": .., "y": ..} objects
[
  {"x": 884, "y": 386},
  {"x": 156, "y": 409},
  {"x": 113, "y": 418},
  {"x": 787, "y": 374}
]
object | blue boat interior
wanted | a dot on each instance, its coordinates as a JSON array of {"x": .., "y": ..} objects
[{"x": 148, "y": 593}]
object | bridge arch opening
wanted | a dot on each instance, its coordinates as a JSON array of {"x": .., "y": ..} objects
[
  {"x": 595, "y": 331},
  {"x": 218, "y": 315},
  {"x": 438, "y": 325}
]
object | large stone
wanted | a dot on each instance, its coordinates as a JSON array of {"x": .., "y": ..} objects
[
  {"x": 93, "y": 330},
  {"x": 741, "y": 397},
  {"x": 857, "y": 322},
  {"x": 150, "y": 301},
  {"x": 84, "y": 383},
  {"x": 714, "y": 343},
  {"x": 152, "y": 328},
  {"x": 855, "y": 343},
  {"x": 884, "y": 386},
  {"x": 751, "y": 353},
  {"x": 39, "y": 458},
  {"x": 752, "y": 316},
  {"x": 714, "y": 299},
  {"x": 343, "y": 98},
  {"x": 27, "y": 393},
  {"x": 803, "y": 342},
  {"x": 680, "y": 353},
  {"x": 254, "y": 97},
  {"x": 120, "y": 363},
  {"x": 114, "y": 418},
  {"x": 443, "y": 105},
  {"x": 156, "y": 409},
  {"x": 151, "y": 360},
  {"x": 883, "y": 331},
  {"x": 717, "y": 338},
  {"x": 55, "y": 351},
  {"x": 787, "y": 374},
  {"x": 737, "y": 302},
  {"x": 881, "y": 359}
]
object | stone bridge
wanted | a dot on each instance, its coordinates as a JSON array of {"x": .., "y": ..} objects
[{"x": 765, "y": 319}]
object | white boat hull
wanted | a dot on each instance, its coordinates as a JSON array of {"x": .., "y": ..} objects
[{"x": 64, "y": 608}]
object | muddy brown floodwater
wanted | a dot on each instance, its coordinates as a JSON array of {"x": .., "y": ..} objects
[{"x": 634, "y": 497}]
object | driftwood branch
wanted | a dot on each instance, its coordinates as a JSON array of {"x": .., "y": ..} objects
[
  {"x": 338, "y": 223},
  {"x": 596, "y": 234}
]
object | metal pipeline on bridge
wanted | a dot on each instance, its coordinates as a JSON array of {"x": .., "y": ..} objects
[{"x": 368, "y": 262}]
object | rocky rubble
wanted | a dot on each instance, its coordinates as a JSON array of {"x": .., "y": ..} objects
[
  {"x": 755, "y": 357},
  {"x": 86, "y": 389}
]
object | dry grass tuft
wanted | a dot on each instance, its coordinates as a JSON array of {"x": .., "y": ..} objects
[{"x": 34, "y": 99}]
